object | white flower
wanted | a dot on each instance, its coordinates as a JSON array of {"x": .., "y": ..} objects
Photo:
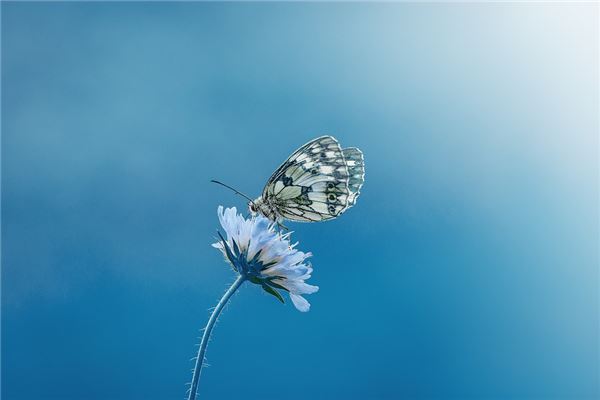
[{"x": 265, "y": 257}]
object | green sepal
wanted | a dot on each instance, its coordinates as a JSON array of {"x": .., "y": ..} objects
[
  {"x": 274, "y": 292},
  {"x": 255, "y": 280},
  {"x": 256, "y": 257},
  {"x": 228, "y": 252},
  {"x": 270, "y": 282},
  {"x": 236, "y": 249},
  {"x": 267, "y": 265}
]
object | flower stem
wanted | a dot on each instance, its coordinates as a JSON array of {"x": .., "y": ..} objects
[{"x": 209, "y": 327}]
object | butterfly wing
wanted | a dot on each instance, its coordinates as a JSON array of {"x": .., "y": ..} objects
[
  {"x": 313, "y": 184},
  {"x": 356, "y": 172}
]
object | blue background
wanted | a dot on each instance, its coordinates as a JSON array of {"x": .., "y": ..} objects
[{"x": 468, "y": 268}]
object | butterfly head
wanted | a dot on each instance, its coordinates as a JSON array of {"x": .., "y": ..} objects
[
  {"x": 252, "y": 207},
  {"x": 259, "y": 206}
]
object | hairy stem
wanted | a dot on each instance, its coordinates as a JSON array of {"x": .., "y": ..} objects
[{"x": 209, "y": 327}]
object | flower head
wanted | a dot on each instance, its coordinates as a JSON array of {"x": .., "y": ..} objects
[{"x": 264, "y": 256}]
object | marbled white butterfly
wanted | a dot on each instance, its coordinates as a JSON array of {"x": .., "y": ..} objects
[{"x": 318, "y": 182}]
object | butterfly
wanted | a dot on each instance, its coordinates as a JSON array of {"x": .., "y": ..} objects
[{"x": 318, "y": 182}]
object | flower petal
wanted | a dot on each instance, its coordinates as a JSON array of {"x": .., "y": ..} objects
[
  {"x": 297, "y": 286},
  {"x": 300, "y": 302},
  {"x": 265, "y": 256}
]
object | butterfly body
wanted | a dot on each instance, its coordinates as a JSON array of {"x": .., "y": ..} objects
[
  {"x": 318, "y": 182},
  {"x": 263, "y": 207}
]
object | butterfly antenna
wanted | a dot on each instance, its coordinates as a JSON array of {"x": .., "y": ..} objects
[{"x": 230, "y": 188}]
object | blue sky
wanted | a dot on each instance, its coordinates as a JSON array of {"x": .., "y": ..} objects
[{"x": 468, "y": 268}]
